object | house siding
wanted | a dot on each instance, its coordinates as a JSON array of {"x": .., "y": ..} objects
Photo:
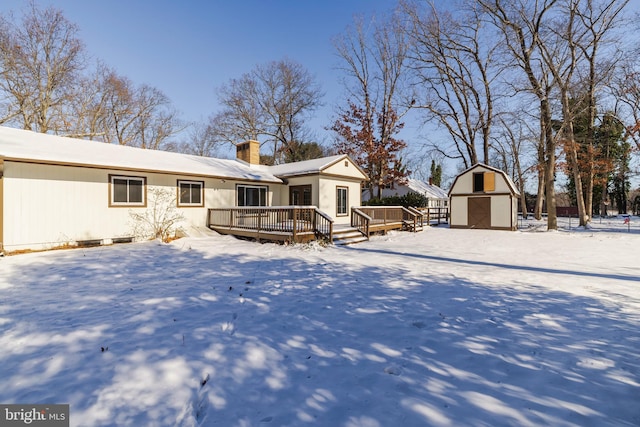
[
  {"x": 328, "y": 199},
  {"x": 58, "y": 205}
]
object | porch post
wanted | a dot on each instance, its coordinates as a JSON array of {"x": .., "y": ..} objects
[{"x": 295, "y": 224}]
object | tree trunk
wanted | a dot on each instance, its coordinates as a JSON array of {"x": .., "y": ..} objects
[
  {"x": 572, "y": 156},
  {"x": 537, "y": 213},
  {"x": 571, "y": 148}
]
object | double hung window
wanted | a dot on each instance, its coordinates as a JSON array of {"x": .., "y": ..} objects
[
  {"x": 127, "y": 190},
  {"x": 190, "y": 193}
]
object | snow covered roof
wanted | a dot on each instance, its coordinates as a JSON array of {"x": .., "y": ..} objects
[
  {"x": 305, "y": 167},
  {"x": 17, "y": 144},
  {"x": 429, "y": 190}
]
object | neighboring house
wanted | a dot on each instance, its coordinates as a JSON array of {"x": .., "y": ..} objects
[
  {"x": 483, "y": 197},
  {"x": 438, "y": 198},
  {"x": 57, "y": 191}
]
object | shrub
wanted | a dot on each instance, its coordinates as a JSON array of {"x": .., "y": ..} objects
[
  {"x": 412, "y": 199},
  {"x": 160, "y": 219}
]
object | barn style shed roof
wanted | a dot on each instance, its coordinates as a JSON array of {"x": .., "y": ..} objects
[{"x": 512, "y": 187}]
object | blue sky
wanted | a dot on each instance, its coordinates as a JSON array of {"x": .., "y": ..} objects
[{"x": 187, "y": 49}]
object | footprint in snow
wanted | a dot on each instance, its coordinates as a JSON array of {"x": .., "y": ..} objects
[
  {"x": 419, "y": 325},
  {"x": 393, "y": 370}
]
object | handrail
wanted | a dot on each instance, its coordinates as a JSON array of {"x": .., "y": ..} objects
[
  {"x": 361, "y": 221},
  {"x": 388, "y": 216},
  {"x": 411, "y": 216},
  {"x": 323, "y": 225},
  {"x": 421, "y": 215}
]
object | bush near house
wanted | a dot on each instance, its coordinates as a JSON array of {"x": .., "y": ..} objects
[{"x": 412, "y": 199}]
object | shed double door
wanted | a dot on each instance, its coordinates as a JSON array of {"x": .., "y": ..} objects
[{"x": 479, "y": 212}]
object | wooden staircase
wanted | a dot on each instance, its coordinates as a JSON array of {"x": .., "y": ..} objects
[{"x": 347, "y": 236}]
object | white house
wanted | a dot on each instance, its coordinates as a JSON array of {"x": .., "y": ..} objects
[
  {"x": 483, "y": 197},
  {"x": 57, "y": 191},
  {"x": 438, "y": 198}
]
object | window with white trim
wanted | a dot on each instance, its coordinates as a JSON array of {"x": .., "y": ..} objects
[
  {"x": 127, "y": 190},
  {"x": 190, "y": 193},
  {"x": 252, "y": 195},
  {"x": 342, "y": 194}
]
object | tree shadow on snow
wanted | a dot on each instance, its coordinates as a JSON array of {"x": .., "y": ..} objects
[{"x": 162, "y": 335}]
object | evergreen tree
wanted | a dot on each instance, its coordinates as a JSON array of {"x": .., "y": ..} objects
[{"x": 436, "y": 173}]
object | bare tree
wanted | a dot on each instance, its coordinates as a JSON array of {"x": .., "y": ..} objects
[
  {"x": 522, "y": 23},
  {"x": 572, "y": 40},
  {"x": 510, "y": 144},
  {"x": 140, "y": 116},
  {"x": 625, "y": 88},
  {"x": 373, "y": 57},
  {"x": 199, "y": 141},
  {"x": 40, "y": 58},
  {"x": 270, "y": 104},
  {"x": 453, "y": 61},
  {"x": 598, "y": 19}
]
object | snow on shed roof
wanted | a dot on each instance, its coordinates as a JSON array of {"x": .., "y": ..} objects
[
  {"x": 428, "y": 190},
  {"x": 507, "y": 178},
  {"x": 17, "y": 144}
]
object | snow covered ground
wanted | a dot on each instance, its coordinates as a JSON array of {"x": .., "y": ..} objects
[{"x": 440, "y": 328}]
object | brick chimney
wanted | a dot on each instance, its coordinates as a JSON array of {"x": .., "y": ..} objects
[{"x": 248, "y": 151}]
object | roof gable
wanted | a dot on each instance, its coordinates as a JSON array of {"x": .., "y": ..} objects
[
  {"x": 313, "y": 167},
  {"x": 507, "y": 178}
]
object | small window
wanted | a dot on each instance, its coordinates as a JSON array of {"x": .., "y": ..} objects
[
  {"x": 190, "y": 193},
  {"x": 342, "y": 194},
  {"x": 252, "y": 195},
  {"x": 127, "y": 191},
  {"x": 478, "y": 182},
  {"x": 484, "y": 181}
]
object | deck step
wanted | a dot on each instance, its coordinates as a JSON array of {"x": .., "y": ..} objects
[{"x": 348, "y": 236}]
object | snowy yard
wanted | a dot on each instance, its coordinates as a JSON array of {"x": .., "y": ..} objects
[{"x": 440, "y": 328}]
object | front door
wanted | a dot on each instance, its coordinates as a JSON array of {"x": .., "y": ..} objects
[
  {"x": 300, "y": 195},
  {"x": 479, "y": 212}
]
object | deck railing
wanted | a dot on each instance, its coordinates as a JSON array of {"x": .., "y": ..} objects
[
  {"x": 439, "y": 214},
  {"x": 360, "y": 221},
  {"x": 413, "y": 216},
  {"x": 296, "y": 221},
  {"x": 369, "y": 219}
]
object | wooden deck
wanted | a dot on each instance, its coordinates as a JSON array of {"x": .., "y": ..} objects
[
  {"x": 381, "y": 219},
  {"x": 292, "y": 224},
  {"x": 302, "y": 224}
]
